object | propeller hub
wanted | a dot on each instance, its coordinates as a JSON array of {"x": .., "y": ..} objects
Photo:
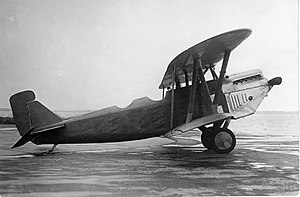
[{"x": 275, "y": 81}]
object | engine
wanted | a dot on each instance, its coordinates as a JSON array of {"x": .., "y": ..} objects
[{"x": 244, "y": 92}]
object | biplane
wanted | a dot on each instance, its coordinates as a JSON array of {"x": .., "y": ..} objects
[{"x": 193, "y": 97}]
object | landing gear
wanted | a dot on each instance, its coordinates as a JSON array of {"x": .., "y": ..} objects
[
  {"x": 52, "y": 149},
  {"x": 221, "y": 140}
]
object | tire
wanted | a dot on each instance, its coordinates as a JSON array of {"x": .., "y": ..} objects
[
  {"x": 206, "y": 138},
  {"x": 223, "y": 141}
]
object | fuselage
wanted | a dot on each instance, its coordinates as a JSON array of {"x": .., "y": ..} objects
[{"x": 145, "y": 118}]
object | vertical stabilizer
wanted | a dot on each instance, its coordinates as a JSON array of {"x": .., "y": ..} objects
[
  {"x": 29, "y": 113},
  {"x": 41, "y": 116}
]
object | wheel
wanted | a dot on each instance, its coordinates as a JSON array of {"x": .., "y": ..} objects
[
  {"x": 223, "y": 141},
  {"x": 206, "y": 138}
]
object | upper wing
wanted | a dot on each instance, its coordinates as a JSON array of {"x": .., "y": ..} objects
[{"x": 210, "y": 51}]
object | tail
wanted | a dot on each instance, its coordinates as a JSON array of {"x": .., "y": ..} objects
[{"x": 30, "y": 115}]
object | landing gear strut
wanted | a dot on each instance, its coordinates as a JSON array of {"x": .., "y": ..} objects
[
  {"x": 221, "y": 140},
  {"x": 52, "y": 149}
]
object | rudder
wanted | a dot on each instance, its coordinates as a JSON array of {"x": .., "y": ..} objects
[{"x": 18, "y": 103}]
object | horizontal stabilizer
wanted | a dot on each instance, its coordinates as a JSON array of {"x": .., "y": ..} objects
[
  {"x": 49, "y": 128},
  {"x": 24, "y": 139},
  {"x": 30, "y": 134},
  {"x": 198, "y": 123}
]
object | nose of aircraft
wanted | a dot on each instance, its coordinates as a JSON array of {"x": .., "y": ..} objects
[{"x": 275, "y": 81}]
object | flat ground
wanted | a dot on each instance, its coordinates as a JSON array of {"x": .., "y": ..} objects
[{"x": 259, "y": 165}]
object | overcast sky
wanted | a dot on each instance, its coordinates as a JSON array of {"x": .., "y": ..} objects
[{"x": 79, "y": 55}]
